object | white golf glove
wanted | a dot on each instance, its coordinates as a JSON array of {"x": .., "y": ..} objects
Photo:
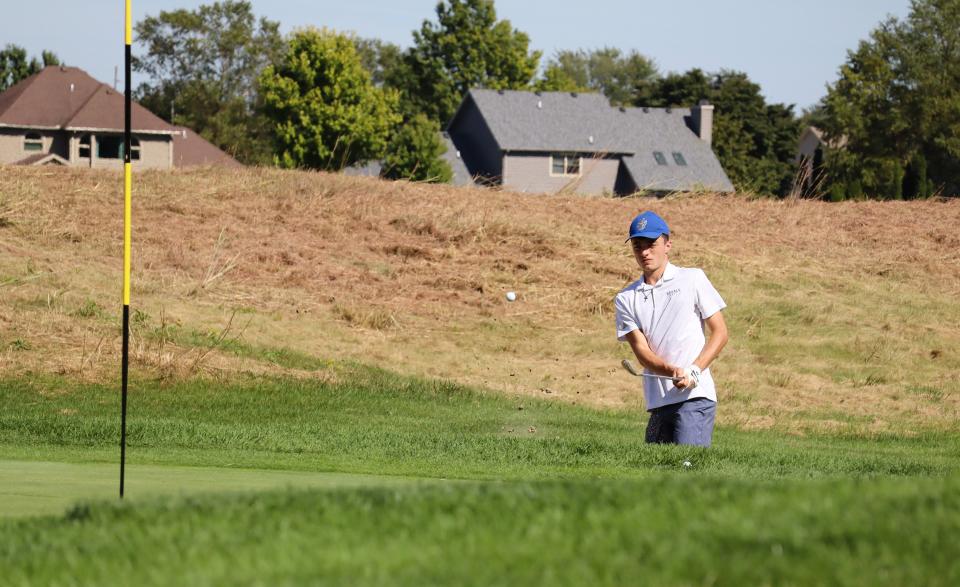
[{"x": 693, "y": 374}]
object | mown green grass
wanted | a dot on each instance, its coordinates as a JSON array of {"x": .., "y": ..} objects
[
  {"x": 371, "y": 421},
  {"x": 34, "y": 488},
  {"x": 554, "y": 493}
]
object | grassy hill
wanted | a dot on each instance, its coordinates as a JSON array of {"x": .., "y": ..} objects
[
  {"x": 843, "y": 316},
  {"x": 328, "y": 384}
]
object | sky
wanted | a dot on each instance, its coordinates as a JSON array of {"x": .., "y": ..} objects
[{"x": 791, "y": 49}]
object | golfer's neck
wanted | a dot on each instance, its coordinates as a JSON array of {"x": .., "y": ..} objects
[{"x": 654, "y": 276}]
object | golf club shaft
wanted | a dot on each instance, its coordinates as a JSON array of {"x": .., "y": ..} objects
[
  {"x": 661, "y": 377},
  {"x": 635, "y": 372}
]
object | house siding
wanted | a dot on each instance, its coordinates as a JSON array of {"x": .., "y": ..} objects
[
  {"x": 154, "y": 154},
  {"x": 530, "y": 172},
  {"x": 478, "y": 149},
  {"x": 154, "y": 150},
  {"x": 11, "y": 144}
]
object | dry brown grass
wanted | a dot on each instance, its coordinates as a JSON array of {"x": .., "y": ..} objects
[{"x": 412, "y": 277}]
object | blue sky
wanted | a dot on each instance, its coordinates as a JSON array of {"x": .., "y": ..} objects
[{"x": 792, "y": 49}]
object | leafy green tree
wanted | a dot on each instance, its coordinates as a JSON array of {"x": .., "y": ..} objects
[
  {"x": 415, "y": 152},
  {"x": 380, "y": 58},
  {"x": 467, "y": 47},
  {"x": 677, "y": 89},
  {"x": 203, "y": 67},
  {"x": 607, "y": 70},
  {"x": 897, "y": 102},
  {"x": 556, "y": 79},
  {"x": 15, "y": 67},
  {"x": 325, "y": 110}
]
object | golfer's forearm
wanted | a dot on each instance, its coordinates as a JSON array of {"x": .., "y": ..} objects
[
  {"x": 651, "y": 361},
  {"x": 647, "y": 357},
  {"x": 711, "y": 350}
]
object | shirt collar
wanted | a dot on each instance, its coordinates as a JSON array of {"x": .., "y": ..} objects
[{"x": 668, "y": 273}]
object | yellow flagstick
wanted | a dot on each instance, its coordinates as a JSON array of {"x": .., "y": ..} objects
[{"x": 128, "y": 37}]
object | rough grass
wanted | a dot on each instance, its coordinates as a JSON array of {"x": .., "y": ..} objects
[
  {"x": 842, "y": 315},
  {"x": 679, "y": 531}
]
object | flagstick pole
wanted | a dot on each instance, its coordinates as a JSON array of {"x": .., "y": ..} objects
[{"x": 128, "y": 37}]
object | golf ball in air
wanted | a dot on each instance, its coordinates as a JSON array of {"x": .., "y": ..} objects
[{"x": 511, "y": 296}]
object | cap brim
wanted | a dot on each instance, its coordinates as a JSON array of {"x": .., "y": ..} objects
[{"x": 645, "y": 234}]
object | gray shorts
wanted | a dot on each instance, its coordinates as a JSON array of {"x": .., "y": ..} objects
[{"x": 689, "y": 422}]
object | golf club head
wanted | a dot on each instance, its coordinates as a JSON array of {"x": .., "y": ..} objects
[{"x": 630, "y": 368}]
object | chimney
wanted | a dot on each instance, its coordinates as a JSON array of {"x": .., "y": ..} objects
[{"x": 702, "y": 121}]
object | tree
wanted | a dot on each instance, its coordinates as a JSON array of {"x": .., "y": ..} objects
[
  {"x": 556, "y": 79},
  {"x": 204, "y": 66},
  {"x": 325, "y": 110},
  {"x": 415, "y": 151},
  {"x": 380, "y": 58},
  {"x": 608, "y": 71},
  {"x": 14, "y": 66},
  {"x": 467, "y": 47},
  {"x": 897, "y": 103}
]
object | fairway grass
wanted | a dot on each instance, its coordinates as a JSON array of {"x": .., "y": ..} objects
[{"x": 355, "y": 419}]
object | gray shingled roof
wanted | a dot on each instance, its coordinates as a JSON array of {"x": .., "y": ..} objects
[
  {"x": 666, "y": 132},
  {"x": 586, "y": 123}
]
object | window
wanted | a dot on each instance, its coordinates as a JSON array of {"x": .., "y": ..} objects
[
  {"x": 564, "y": 165},
  {"x": 558, "y": 166},
  {"x": 85, "y": 146},
  {"x": 109, "y": 147},
  {"x": 33, "y": 142},
  {"x": 112, "y": 148},
  {"x": 678, "y": 158},
  {"x": 661, "y": 160}
]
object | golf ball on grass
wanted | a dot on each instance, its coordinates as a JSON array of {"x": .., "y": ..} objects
[
  {"x": 687, "y": 464},
  {"x": 511, "y": 296}
]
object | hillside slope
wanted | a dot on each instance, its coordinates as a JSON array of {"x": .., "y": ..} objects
[{"x": 843, "y": 316}]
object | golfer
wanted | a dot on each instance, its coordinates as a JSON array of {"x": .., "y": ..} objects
[{"x": 662, "y": 316}]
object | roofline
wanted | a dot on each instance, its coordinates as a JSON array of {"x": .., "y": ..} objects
[
  {"x": 469, "y": 96},
  {"x": 48, "y": 157},
  {"x": 29, "y": 126},
  {"x": 120, "y": 130},
  {"x": 581, "y": 152},
  {"x": 88, "y": 129}
]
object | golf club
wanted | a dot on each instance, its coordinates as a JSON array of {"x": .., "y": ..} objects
[{"x": 633, "y": 371}]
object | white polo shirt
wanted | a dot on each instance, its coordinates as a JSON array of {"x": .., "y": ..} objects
[{"x": 670, "y": 315}]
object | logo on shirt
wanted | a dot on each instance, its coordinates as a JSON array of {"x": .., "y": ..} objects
[{"x": 673, "y": 291}]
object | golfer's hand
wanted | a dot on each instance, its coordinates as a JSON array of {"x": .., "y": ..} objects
[
  {"x": 690, "y": 377},
  {"x": 679, "y": 377}
]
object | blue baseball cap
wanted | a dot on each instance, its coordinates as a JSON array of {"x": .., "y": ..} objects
[{"x": 648, "y": 225}]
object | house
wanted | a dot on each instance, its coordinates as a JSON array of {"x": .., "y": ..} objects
[
  {"x": 571, "y": 142},
  {"x": 192, "y": 150},
  {"x": 811, "y": 141},
  {"x": 63, "y": 116}
]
